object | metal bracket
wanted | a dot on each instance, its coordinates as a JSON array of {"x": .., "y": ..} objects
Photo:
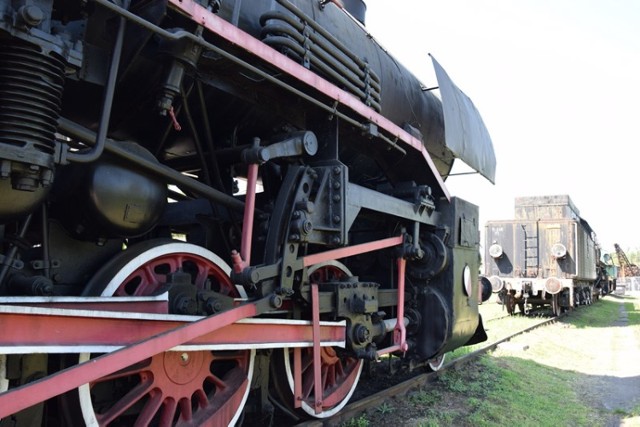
[{"x": 294, "y": 144}]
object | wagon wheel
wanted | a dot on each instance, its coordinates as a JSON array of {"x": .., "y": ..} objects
[
  {"x": 436, "y": 363},
  {"x": 340, "y": 372},
  {"x": 510, "y": 303},
  {"x": 175, "y": 387}
]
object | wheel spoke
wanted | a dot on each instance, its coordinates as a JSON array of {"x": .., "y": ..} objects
[
  {"x": 307, "y": 383},
  {"x": 127, "y": 401},
  {"x": 168, "y": 412},
  {"x": 201, "y": 398},
  {"x": 186, "y": 414},
  {"x": 151, "y": 408},
  {"x": 129, "y": 371}
]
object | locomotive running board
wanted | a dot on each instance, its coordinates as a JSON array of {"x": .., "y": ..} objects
[
  {"x": 144, "y": 304},
  {"x": 55, "y": 330},
  {"x": 189, "y": 332}
]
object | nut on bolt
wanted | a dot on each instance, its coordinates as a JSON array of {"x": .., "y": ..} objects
[
  {"x": 213, "y": 305},
  {"x": 185, "y": 305},
  {"x": 361, "y": 334},
  {"x": 275, "y": 301},
  {"x": 31, "y": 15}
]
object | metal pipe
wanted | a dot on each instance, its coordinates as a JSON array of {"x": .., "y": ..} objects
[
  {"x": 88, "y": 137},
  {"x": 45, "y": 242},
  {"x": 178, "y": 35},
  {"x": 275, "y": 33},
  {"x": 249, "y": 207},
  {"x": 279, "y": 41},
  {"x": 317, "y": 41},
  {"x": 14, "y": 249},
  {"x": 289, "y": 6},
  {"x": 400, "y": 332},
  {"x": 206, "y": 177},
  {"x": 299, "y": 26},
  {"x": 103, "y": 126}
]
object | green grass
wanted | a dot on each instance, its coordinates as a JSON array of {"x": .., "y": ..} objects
[
  {"x": 497, "y": 329},
  {"x": 543, "y": 385},
  {"x": 499, "y": 389},
  {"x": 361, "y": 421},
  {"x": 596, "y": 316}
]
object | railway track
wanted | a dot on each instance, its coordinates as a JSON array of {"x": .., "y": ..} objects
[{"x": 377, "y": 399}]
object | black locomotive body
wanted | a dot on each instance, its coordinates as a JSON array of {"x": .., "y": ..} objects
[
  {"x": 547, "y": 256},
  {"x": 220, "y": 204}
]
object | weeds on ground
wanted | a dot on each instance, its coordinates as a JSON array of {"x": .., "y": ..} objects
[
  {"x": 361, "y": 421},
  {"x": 424, "y": 398},
  {"x": 386, "y": 408}
]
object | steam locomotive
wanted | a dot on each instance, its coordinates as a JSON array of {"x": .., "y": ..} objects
[
  {"x": 208, "y": 208},
  {"x": 547, "y": 256}
]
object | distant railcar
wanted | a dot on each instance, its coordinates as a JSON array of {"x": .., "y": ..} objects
[{"x": 546, "y": 256}]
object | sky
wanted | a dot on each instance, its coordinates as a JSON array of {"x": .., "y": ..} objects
[{"x": 558, "y": 86}]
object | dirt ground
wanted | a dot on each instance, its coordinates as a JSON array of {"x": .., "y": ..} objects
[
  {"x": 609, "y": 358},
  {"x": 619, "y": 384}
]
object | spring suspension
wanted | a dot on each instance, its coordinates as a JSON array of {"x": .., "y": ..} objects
[{"x": 31, "y": 84}]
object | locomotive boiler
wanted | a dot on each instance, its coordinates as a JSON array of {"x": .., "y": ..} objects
[
  {"x": 210, "y": 208},
  {"x": 546, "y": 256}
]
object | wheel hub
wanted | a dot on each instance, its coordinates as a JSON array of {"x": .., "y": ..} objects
[{"x": 184, "y": 367}]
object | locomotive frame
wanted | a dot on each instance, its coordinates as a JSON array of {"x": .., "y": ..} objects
[{"x": 109, "y": 318}]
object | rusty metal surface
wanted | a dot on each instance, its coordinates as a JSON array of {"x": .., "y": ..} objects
[
  {"x": 30, "y": 394},
  {"x": 51, "y": 330}
]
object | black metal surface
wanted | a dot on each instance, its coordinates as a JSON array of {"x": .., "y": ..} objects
[
  {"x": 31, "y": 86},
  {"x": 402, "y": 99}
]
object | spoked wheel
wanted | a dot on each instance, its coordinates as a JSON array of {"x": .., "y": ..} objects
[
  {"x": 175, "y": 387},
  {"x": 436, "y": 363},
  {"x": 339, "y": 372}
]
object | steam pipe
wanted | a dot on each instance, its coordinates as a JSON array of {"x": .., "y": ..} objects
[
  {"x": 375, "y": 80},
  {"x": 178, "y": 35},
  {"x": 326, "y": 35},
  {"x": 97, "y": 150},
  {"x": 290, "y": 44},
  {"x": 14, "y": 249}
]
